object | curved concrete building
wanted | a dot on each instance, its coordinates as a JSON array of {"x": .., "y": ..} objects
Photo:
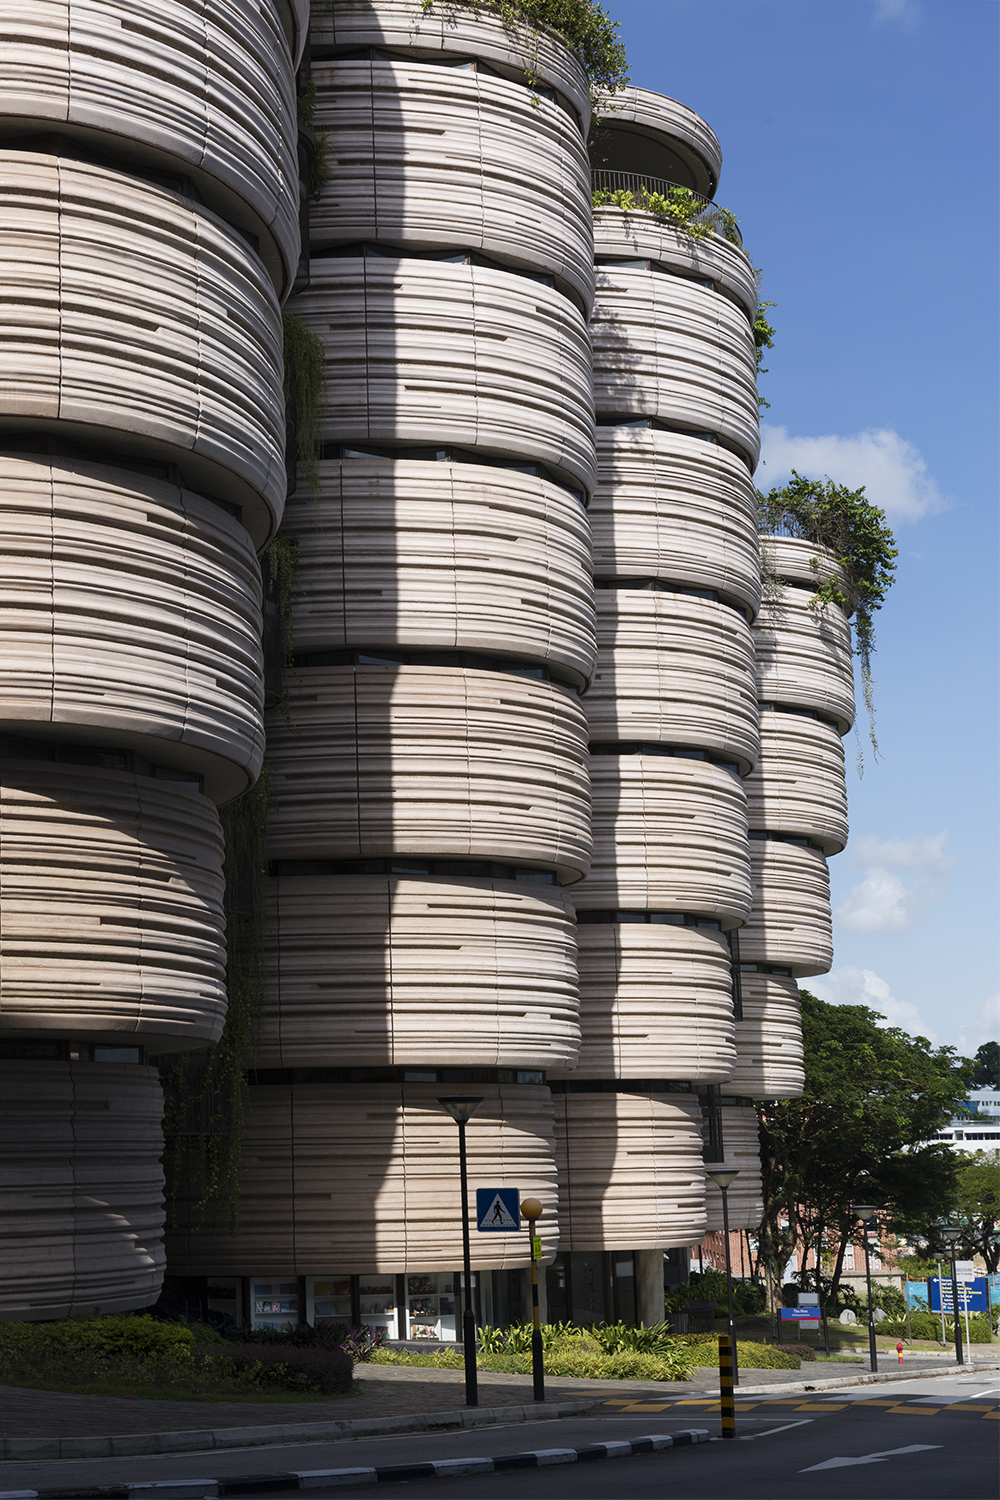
[
  {"x": 149, "y": 227},
  {"x": 672, "y": 712},
  {"x": 430, "y": 791},
  {"x": 797, "y": 799},
  {"x": 551, "y": 793}
]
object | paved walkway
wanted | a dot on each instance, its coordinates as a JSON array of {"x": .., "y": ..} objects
[{"x": 383, "y": 1391}]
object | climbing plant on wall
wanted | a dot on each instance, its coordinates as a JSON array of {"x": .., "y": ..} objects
[
  {"x": 843, "y": 522},
  {"x": 304, "y": 381},
  {"x": 205, "y": 1091}
]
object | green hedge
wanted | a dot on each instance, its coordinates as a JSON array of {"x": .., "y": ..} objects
[
  {"x": 703, "y": 1349},
  {"x": 928, "y": 1326},
  {"x": 141, "y": 1356},
  {"x": 108, "y": 1337},
  {"x": 565, "y": 1360}
]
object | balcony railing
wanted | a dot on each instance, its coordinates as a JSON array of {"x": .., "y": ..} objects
[{"x": 665, "y": 200}]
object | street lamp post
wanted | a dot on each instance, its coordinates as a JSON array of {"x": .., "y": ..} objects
[
  {"x": 531, "y": 1209},
  {"x": 864, "y": 1212},
  {"x": 723, "y": 1178},
  {"x": 462, "y": 1107},
  {"x": 951, "y": 1234}
]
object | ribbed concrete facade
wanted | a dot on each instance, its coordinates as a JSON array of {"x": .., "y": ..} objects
[
  {"x": 552, "y": 793},
  {"x": 672, "y": 715},
  {"x": 797, "y": 801},
  {"x": 148, "y": 227},
  {"x": 430, "y": 789}
]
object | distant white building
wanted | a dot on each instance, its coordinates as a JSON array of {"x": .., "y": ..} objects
[{"x": 977, "y": 1126}]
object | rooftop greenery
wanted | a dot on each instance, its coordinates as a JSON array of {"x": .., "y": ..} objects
[{"x": 584, "y": 25}]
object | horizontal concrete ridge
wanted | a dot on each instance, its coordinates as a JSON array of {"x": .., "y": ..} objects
[
  {"x": 378, "y": 1219},
  {"x": 655, "y": 986},
  {"x": 461, "y": 1004},
  {"x": 452, "y": 173},
  {"x": 628, "y": 1168},
  {"x": 327, "y": 1478}
]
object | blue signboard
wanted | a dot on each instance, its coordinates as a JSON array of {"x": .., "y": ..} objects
[
  {"x": 994, "y": 1281},
  {"x": 802, "y": 1314},
  {"x": 916, "y": 1296},
  {"x": 498, "y": 1210},
  {"x": 971, "y": 1295}
]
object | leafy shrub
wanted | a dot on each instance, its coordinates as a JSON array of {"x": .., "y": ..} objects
[
  {"x": 749, "y": 1299},
  {"x": 618, "y": 1338},
  {"x": 889, "y": 1298},
  {"x": 108, "y": 1337},
  {"x": 704, "y": 1351},
  {"x": 627, "y": 1364},
  {"x": 289, "y": 1369},
  {"x": 446, "y": 1359},
  {"x": 604, "y": 1352}
]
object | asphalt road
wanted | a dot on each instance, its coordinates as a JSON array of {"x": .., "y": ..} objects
[
  {"x": 933, "y": 1439},
  {"x": 925, "y": 1439}
]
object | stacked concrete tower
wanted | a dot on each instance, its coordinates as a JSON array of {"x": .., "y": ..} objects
[
  {"x": 551, "y": 792},
  {"x": 672, "y": 718},
  {"x": 430, "y": 790},
  {"x": 150, "y": 208}
]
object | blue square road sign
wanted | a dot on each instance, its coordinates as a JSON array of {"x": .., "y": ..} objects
[{"x": 498, "y": 1210}]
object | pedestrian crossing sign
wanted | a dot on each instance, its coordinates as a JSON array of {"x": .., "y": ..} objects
[{"x": 498, "y": 1210}]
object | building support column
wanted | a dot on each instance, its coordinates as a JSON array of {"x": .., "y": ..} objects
[{"x": 649, "y": 1287}]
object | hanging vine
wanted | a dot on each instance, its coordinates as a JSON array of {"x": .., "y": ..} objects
[
  {"x": 281, "y": 561},
  {"x": 583, "y": 24},
  {"x": 304, "y": 383},
  {"x": 763, "y": 332},
  {"x": 206, "y": 1092},
  {"x": 843, "y": 522}
]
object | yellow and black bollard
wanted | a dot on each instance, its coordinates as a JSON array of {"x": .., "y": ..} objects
[{"x": 726, "y": 1387}]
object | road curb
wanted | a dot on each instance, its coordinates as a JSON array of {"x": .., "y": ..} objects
[
  {"x": 883, "y": 1377},
  {"x": 309, "y": 1479},
  {"x": 148, "y": 1444}
]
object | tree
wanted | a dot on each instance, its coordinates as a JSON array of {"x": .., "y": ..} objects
[
  {"x": 873, "y": 1097},
  {"x": 979, "y": 1204},
  {"x": 987, "y": 1066}
]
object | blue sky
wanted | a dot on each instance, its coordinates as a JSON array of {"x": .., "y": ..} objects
[{"x": 859, "y": 141}]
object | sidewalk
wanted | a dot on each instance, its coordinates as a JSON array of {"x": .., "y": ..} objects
[{"x": 45, "y": 1425}]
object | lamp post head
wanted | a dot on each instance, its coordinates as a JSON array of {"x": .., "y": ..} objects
[
  {"x": 864, "y": 1211},
  {"x": 723, "y": 1176},
  {"x": 950, "y": 1233},
  {"x": 461, "y": 1107},
  {"x": 531, "y": 1208}
]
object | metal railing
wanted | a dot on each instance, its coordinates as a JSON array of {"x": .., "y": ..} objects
[{"x": 678, "y": 204}]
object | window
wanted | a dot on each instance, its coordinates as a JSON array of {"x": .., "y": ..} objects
[
  {"x": 401, "y": 864},
  {"x": 117, "y": 1054}
]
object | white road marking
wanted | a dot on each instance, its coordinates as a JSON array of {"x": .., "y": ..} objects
[
  {"x": 770, "y": 1433},
  {"x": 870, "y": 1458}
]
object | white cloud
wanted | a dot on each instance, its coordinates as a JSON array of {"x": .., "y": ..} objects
[
  {"x": 985, "y": 1027},
  {"x": 906, "y": 11},
  {"x": 925, "y": 852},
  {"x": 891, "y": 468},
  {"x": 850, "y": 986},
  {"x": 884, "y": 901}
]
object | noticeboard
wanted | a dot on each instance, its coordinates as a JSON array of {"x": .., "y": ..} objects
[{"x": 972, "y": 1295}]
